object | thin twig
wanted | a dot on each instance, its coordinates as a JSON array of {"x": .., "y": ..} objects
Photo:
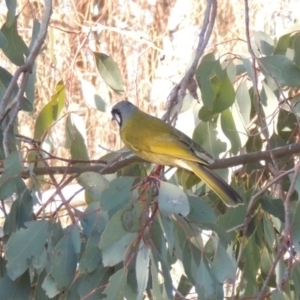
[
  {"x": 178, "y": 92},
  {"x": 25, "y": 68}
]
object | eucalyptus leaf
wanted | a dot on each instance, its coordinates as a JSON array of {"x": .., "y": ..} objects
[
  {"x": 115, "y": 253},
  {"x": 279, "y": 67},
  {"x": 229, "y": 129},
  {"x": 94, "y": 183},
  {"x": 116, "y": 285},
  {"x": 64, "y": 261},
  {"x": 117, "y": 195},
  {"x": 172, "y": 200},
  {"x": 142, "y": 269},
  {"x": 25, "y": 245},
  {"x": 50, "y": 112},
  {"x": 109, "y": 71},
  {"x": 16, "y": 49}
]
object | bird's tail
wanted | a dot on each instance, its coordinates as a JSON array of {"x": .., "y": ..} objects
[{"x": 226, "y": 193}]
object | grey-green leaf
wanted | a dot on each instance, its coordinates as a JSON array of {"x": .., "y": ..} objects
[
  {"x": 172, "y": 200},
  {"x": 24, "y": 246},
  {"x": 109, "y": 71}
]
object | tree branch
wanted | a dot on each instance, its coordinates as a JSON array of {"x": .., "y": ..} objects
[
  {"x": 281, "y": 152},
  {"x": 25, "y": 68},
  {"x": 178, "y": 92}
]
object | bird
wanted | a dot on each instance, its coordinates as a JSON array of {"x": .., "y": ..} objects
[{"x": 155, "y": 141}]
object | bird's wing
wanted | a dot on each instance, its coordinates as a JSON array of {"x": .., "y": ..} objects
[{"x": 161, "y": 138}]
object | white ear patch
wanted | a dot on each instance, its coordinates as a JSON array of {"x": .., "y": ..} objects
[{"x": 117, "y": 118}]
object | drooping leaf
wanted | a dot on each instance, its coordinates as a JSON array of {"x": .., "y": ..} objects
[
  {"x": 285, "y": 72},
  {"x": 116, "y": 285},
  {"x": 172, "y": 200},
  {"x": 16, "y": 49},
  {"x": 264, "y": 42},
  {"x": 205, "y": 134},
  {"x": 114, "y": 230},
  {"x": 94, "y": 184},
  {"x": 200, "y": 211},
  {"x": 119, "y": 190},
  {"x": 223, "y": 266},
  {"x": 296, "y": 228},
  {"x": 3, "y": 41},
  {"x": 76, "y": 140},
  {"x": 24, "y": 246},
  {"x": 216, "y": 88},
  {"x": 204, "y": 281},
  {"x": 109, "y": 71},
  {"x": 17, "y": 289},
  {"x": 91, "y": 257},
  {"x": 50, "y": 112},
  {"x": 64, "y": 261},
  {"x": 142, "y": 269},
  {"x": 94, "y": 219},
  {"x": 230, "y": 130}
]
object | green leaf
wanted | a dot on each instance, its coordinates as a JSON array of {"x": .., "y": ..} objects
[
  {"x": 203, "y": 74},
  {"x": 91, "y": 257},
  {"x": 204, "y": 281},
  {"x": 172, "y": 200},
  {"x": 200, "y": 211},
  {"x": 264, "y": 42},
  {"x": 220, "y": 231},
  {"x": 295, "y": 275},
  {"x": 94, "y": 219},
  {"x": 94, "y": 184},
  {"x": 16, "y": 50},
  {"x": 75, "y": 137},
  {"x": 50, "y": 112},
  {"x": 284, "y": 71},
  {"x": 11, "y": 14},
  {"x": 274, "y": 207},
  {"x": 223, "y": 266},
  {"x": 96, "y": 281},
  {"x": 132, "y": 218},
  {"x": 282, "y": 44},
  {"x": 142, "y": 268},
  {"x": 115, "y": 253},
  {"x": 25, "y": 246},
  {"x": 18, "y": 289},
  {"x": 184, "y": 286},
  {"x": 109, "y": 71},
  {"x": 248, "y": 285},
  {"x": 296, "y": 228},
  {"x": 168, "y": 229},
  {"x": 269, "y": 233},
  {"x": 167, "y": 292},
  {"x": 247, "y": 63},
  {"x": 5, "y": 79},
  {"x": 205, "y": 134},
  {"x": 119, "y": 190},
  {"x": 50, "y": 287},
  {"x": 229, "y": 129},
  {"x": 10, "y": 179},
  {"x": 116, "y": 285},
  {"x": 296, "y": 47},
  {"x": 64, "y": 261},
  {"x": 114, "y": 230},
  {"x": 216, "y": 88},
  {"x": 3, "y": 41}
]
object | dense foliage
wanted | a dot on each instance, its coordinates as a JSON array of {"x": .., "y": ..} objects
[{"x": 133, "y": 231}]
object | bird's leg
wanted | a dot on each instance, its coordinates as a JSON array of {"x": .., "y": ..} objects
[{"x": 156, "y": 171}]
